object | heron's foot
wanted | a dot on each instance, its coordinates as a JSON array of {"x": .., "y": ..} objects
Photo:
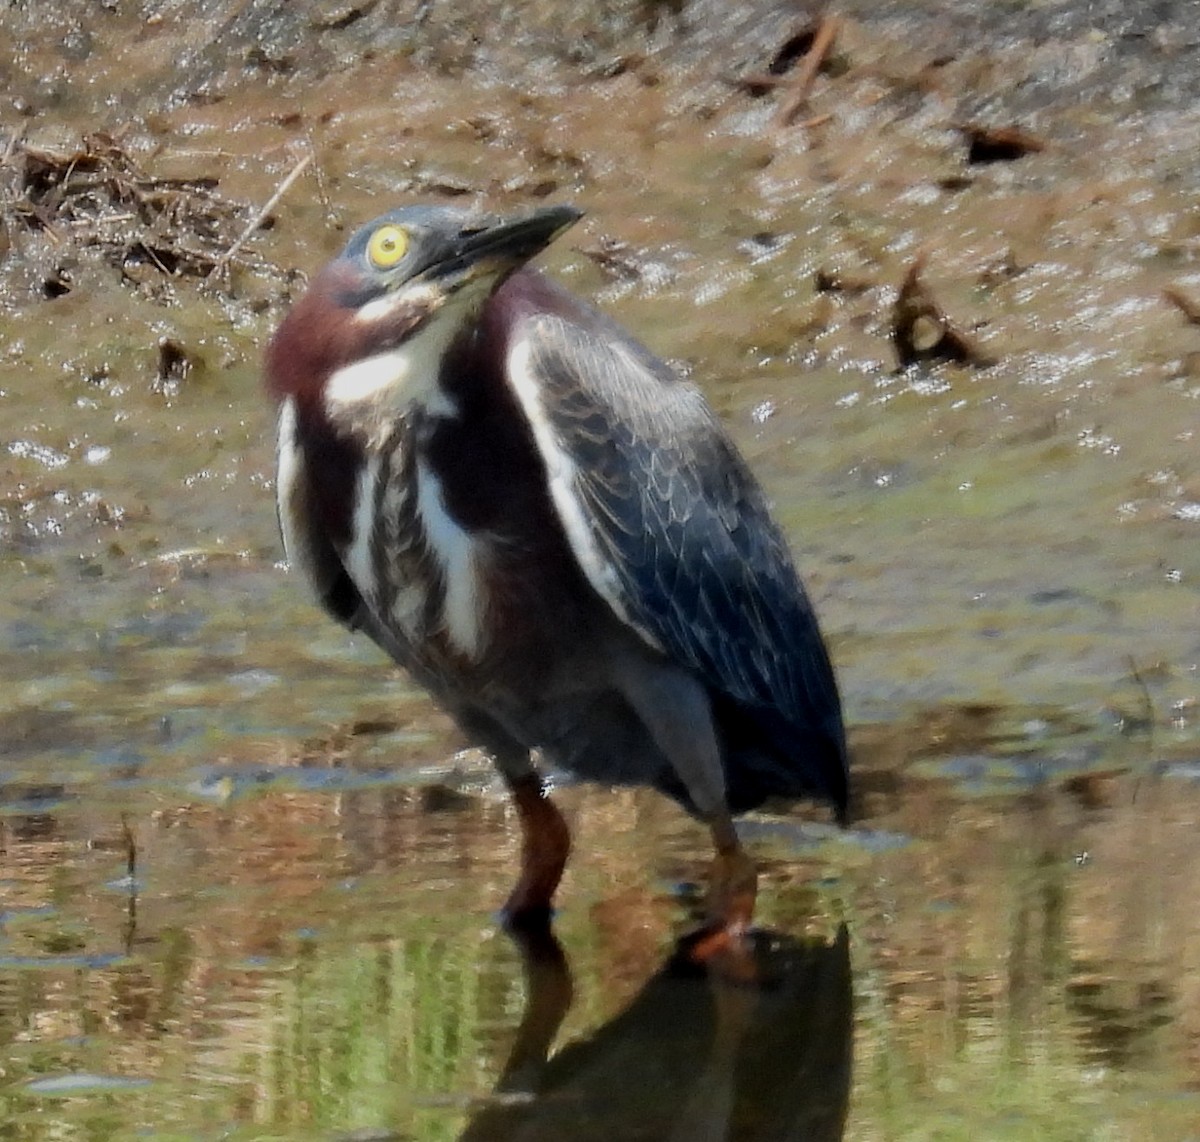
[
  {"x": 725, "y": 944},
  {"x": 545, "y": 846},
  {"x": 726, "y": 953},
  {"x": 733, "y": 888}
]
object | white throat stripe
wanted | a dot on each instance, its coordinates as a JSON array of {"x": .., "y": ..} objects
[{"x": 457, "y": 557}]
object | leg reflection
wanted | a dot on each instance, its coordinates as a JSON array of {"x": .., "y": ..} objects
[
  {"x": 548, "y": 995},
  {"x": 695, "y": 1055}
]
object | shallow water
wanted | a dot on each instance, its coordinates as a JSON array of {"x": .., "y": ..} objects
[
  {"x": 305, "y": 950},
  {"x": 249, "y": 875}
]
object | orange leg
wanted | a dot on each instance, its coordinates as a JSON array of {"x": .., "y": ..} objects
[
  {"x": 545, "y": 845},
  {"x": 732, "y": 890}
]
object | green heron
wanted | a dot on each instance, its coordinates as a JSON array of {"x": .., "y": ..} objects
[{"x": 550, "y": 530}]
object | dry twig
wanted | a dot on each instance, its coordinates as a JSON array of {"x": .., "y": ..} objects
[
  {"x": 223, "y": 261},
  {"x": 806, "y": 74},
  {"x": 1186, "y": 305},
  {"x": 94, "y": 198}
]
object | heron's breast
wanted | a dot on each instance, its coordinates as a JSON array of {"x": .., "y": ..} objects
[{"x": 420, "y": 570}]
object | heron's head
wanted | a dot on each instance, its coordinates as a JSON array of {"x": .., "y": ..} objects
[{"x": 367, "y": 338}]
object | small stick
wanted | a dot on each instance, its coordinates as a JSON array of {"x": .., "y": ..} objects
[
  {"x": 255, "y": 222},
  {"x": 14, "y": 141},
  {"x": 131, "y": 879},
  {"x": 1180, "y": 300},
  {"x": 758, "y": 82},
  {"x": 155, "y": 259},
  {"x": 130, "y": 847},
  {"x": 1148, "y": 716},
  {"x": 79, "y": 224},
  {"x": 807, "y": 74}
]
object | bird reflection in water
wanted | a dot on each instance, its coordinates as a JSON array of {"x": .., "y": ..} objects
[{"x": 695, "y": 1056}]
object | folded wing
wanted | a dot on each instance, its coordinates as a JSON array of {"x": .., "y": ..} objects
[{"x": 673, "y": 532}]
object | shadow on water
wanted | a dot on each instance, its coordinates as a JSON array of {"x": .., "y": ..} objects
[{"x": 694, "y": 1056}]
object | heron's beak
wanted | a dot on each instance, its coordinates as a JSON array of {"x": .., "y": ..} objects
[{"x": 493, "y": 246}]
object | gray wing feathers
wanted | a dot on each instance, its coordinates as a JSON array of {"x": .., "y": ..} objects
[{"x": 666, "y": 520}]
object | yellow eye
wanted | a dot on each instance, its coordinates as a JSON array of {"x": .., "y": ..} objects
[{"x": 387, "y": 246}]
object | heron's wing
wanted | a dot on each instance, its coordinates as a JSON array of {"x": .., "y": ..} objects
[{"x": 667, "y": 522}]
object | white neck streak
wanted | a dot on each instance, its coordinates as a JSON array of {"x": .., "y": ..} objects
[{"x": 367, "y": 396}]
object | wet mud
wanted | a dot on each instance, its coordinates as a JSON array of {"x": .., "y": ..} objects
[{"x": 937, "y": 266}]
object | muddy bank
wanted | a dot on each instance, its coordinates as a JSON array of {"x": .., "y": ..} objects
[
  {"x": 1022, "y": 57},
  {"x": 1023, "y": 507}
]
